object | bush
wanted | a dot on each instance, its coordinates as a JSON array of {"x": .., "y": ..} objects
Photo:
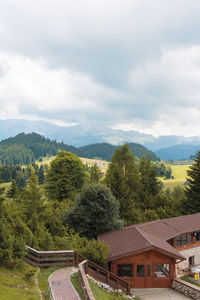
[{"x": 30, "y": 272}]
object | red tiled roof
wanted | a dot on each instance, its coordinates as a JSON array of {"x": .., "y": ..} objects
[{"x": 151, "y": 235}]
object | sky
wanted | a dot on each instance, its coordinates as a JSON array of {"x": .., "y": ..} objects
[{"x": 126, "y": 64}]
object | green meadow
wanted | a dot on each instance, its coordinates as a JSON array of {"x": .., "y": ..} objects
[{"x": 179, "y": 172}]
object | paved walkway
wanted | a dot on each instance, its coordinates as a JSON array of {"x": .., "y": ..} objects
[
  {"x": 159, "y": 294},
  {"x": 61, "y": 286}
]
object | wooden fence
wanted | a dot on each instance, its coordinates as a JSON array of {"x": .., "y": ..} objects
[
  {"x": 49, "y": 258},
  {"x": 71, "y": 258}
]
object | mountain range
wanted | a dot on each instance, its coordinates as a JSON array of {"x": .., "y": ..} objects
[{"x": 166, "y": 147}]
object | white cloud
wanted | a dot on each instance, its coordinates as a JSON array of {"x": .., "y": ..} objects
[
  {"x": 133, "y": 64},
  {"x": 29, "y": 88}
]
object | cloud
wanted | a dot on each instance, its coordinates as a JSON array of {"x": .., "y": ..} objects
[
  {"x": 29, "y": 88},
  {"x": 132, "y": 64}
]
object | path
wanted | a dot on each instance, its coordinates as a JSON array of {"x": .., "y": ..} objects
[
  {"x": 37, "y": 286},
  {"x": 61, "y": 286},
  {"x": 158, "y": 294}
]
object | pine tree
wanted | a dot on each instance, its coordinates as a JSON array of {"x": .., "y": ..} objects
[
  {"x": 31, "y": 200},
  {"x": 150, "y": 186},
  {"x": 95, "y": 174},
  {"x": 123, "y": 179},
  {"x": 41, "y": 175},
  {"x": 13, "y": 191},
  {"x": 65, "y": 177},
  {"x": 192, "y": 191}
]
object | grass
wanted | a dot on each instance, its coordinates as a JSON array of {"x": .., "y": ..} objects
[
  {"x": 76, "y": 283},
  {"x": 190, "y": 281},
  {"x": 15, "y": 286},
  {"x": 179, "y": 174},
  {"x": 98, "y": 292},
  {"x": 43, "y": 280}
]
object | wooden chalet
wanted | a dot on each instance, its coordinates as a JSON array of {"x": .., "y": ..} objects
[{"x": 150, "y": 255}]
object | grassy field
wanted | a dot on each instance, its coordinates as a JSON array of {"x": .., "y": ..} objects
[
  {"x": 15, "y": 286},
  {"x": 101, "y": 163},
  {"x": 179, "y": 174}
]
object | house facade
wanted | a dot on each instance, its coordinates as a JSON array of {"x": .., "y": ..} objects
[{"x": 152, "y": 254}]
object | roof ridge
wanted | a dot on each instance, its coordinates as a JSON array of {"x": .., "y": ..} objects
[
  {"x": 170, "y": 225},
  {"x": 143, "y": 235}
]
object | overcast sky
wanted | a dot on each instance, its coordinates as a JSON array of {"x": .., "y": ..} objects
[{"x": 129, "y": 64}]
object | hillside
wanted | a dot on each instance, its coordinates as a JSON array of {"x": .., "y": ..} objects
[
  {"x": 178, "y": 152},
  {"x": 25, "y": 148},
  {"x": 105, "y": 151}
]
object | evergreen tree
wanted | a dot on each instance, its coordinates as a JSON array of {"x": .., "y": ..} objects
[
  {"x": 95, "y": 174},
  {"x": 65, "y": 177},
  {"x": 41, "y": 175},
  {"x": 150, "y": 186},
  {"x": 94, "y": 212},
  {"x": 13, "y": 191},
  {"x": 31, "y": 200},
  {"x": 123, "y": 180},
  {"x": 192, "y": 191}
]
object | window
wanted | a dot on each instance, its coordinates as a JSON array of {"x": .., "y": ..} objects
[
  {"x": 178, "y": 240},
  {"x": 148, "y": 270},
  {"x": 184, "y": 239},
  {"x": 197, "y": 236},
  {"x": 140, "y": 270},
  {"x": 171, "y": 242},
  {"x": 161, "y": 270},
  {"x": 191, "y": 260},
  {"x": 124, "y": 270},
  {"x": 189, "y": 238}
]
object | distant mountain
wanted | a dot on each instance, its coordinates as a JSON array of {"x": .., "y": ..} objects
[
  {"x": 178, "y": 152},
  {"x": 80, "y": 135}
]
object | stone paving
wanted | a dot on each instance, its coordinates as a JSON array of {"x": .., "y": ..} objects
[
  {"x": 159, "y": 294},
  {"x": 61, "y": 286}
]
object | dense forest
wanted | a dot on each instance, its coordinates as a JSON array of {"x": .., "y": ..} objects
[{"x": 26, "y": 148}]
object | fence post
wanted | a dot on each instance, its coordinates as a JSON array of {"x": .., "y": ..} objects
[
  {"x": 76, "y": 259},
  {"x": 128, "y": 289},
  {"x": 107, "y": 278},
  {"x": 86, "y": 267}
]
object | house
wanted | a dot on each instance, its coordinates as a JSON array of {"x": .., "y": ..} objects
[{"x": 150, "y": 255}]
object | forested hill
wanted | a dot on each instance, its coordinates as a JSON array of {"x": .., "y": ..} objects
[
  {"x": 25, "y": 148},
  {"x": 105, "y": 151}
]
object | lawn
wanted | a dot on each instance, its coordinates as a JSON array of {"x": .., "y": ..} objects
[
  {"x": 15, "y": 286},
  {"x": 179, "y": 174}
]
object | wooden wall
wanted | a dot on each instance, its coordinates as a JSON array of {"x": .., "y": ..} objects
[{"x": 150, "y": 257}]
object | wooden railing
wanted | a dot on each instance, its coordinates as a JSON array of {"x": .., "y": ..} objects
[
  {"x": 71, "y": 258},
  {"x": 49, "y": 258}
]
